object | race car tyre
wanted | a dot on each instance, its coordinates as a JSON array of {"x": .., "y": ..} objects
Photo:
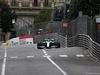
[
  {"x": 38, "y": 46},
  {"x": 58, "y": 45}
]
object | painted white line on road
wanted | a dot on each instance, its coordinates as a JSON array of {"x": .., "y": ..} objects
[
  {"x": 4, "y": 62},
  {"x": 46, "y": 56},
  {"x": 63, "y": 55},
  {"x": 13, "y": 57},
  {"x": 45, "y": 52},
  {"x": 80, "y": 55},
  {"x": 30, "y": 56},
  {"x": 64, "y": 73},
  {"x": 93, "y": 73}
]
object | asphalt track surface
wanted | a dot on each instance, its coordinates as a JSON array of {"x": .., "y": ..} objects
[{"x": 28, "y": 60}]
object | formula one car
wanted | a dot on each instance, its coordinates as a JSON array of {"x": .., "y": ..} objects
[{"x": 48, "y": 43}]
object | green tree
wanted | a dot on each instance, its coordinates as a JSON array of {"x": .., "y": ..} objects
[
  {"x": 6, "y": 16},
  {"x": 88, "y": 7},
  {"x": 44, "y": 15},
  {"x": 41, "y": 20}
]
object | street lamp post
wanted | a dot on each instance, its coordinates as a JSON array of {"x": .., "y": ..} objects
[
  {"x": 0, "y": 25},
  {"x": 29, "y": 27},
  {"x": 0, "y": 16},
  {"x": 13, "y": 22}
]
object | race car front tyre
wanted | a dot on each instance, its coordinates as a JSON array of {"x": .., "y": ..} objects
[{"x": 38, "y": 46}]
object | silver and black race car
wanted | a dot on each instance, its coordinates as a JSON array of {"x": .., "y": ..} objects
[{"x": 48, "y": 43}]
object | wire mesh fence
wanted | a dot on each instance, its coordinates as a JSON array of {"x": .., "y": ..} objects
[{"x": 42, "y": 26}]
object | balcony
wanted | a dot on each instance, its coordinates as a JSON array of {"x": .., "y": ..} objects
[{"x": 28, "y": 5}]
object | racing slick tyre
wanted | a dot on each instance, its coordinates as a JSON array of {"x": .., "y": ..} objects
[
  {"x": 38, "y": 46},
  {"x": 58, "y": 45}
]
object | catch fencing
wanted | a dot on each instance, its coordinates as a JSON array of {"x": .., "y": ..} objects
[{"x": 85, "y": 41}]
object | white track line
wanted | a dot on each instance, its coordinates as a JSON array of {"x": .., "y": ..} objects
[
  {"x": 64, "y": 73},
  {"x": 80, "y": 55},
  {"x": 44, "y": 52},
  {"x": 4, "y": 62},
  {"x": 93, "y": 73},
  {"x": 30, "y": 56},
  {"x": 13, "y": 57},
  {"x": 63, "y": 55}
]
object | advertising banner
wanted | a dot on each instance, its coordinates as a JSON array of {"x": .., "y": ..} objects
[
  {"x": 20, "y": 40},
  {"x": 14, "y": 41},
  {"x": 26, "y": 39}
]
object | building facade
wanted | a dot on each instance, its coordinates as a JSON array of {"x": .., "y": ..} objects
[
  {"x": 28, "y": 9},
  {"x": 35, "y": 3}
]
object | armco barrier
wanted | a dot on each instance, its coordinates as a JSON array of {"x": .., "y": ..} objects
[
  {"x": 62, "y": 40},
  {"x": 85, "y": 41}
]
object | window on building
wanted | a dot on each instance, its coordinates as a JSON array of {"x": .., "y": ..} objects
[
  {"x": 35, "y": 2},
  {"x": 46, "y": 3},
  {"x": 25, "y": 3},
  {"x": 3, "y": 0},
  {"x": 13, "y": 2},
  {"x": 59, "y": 0}
]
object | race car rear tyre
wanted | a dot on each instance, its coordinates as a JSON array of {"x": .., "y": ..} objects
[{"x": 58, "y": 45}]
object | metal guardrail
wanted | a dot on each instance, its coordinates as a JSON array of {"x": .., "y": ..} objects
[
  {"x": 62, "y": 40},
  {"x": 85, "y": 41}
]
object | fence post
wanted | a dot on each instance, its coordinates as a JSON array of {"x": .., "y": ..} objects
[{"x": 66, "y": 41}]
